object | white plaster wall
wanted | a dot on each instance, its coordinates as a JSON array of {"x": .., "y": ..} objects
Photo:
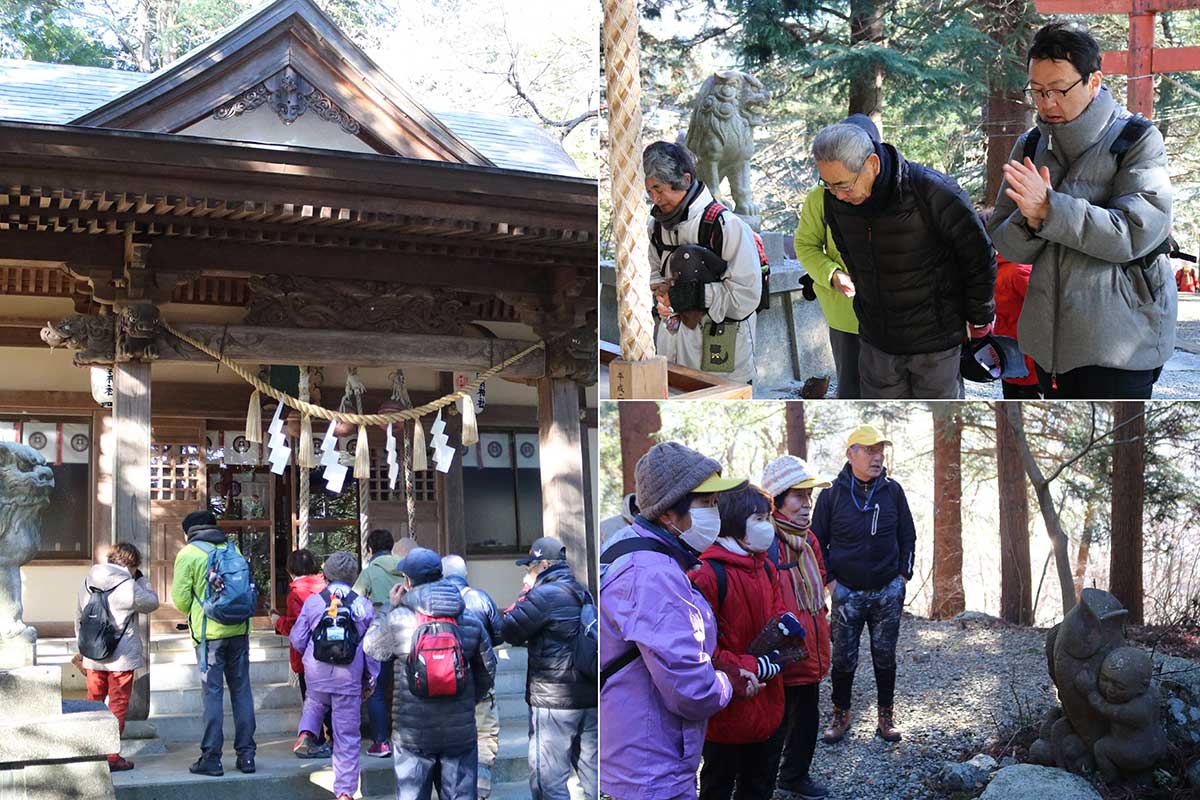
[
  {"x": 264, "y": 125},
  {"x": 50, "y": 593}
]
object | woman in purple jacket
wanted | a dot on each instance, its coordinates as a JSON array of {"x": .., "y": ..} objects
[
  {"x": 657, "y": 633},
  {"x": 340, "y": 686}
]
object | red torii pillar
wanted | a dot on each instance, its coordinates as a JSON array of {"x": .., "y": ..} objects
[{"x": 1142, "y": 60}]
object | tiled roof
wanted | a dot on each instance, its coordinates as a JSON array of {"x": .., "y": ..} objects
[{"x": 58, "y": 93}]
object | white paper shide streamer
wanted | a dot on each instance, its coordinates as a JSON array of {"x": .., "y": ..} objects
[
  {"x": 443, "y": 453},
  {"x": 279, "y": 452}
]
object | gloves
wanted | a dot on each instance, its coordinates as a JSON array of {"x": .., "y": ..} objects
[
  {"x": 790, "y": 626},
  {"x": 767, "y": 668},
  {"x": 687, "y": 296},
  {"x": 693, "y": 262}
]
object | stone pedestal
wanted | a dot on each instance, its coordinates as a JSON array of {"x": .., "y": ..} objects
[
  {"x": 51, "y": 749},
  {"x": 18, "y": 652}
]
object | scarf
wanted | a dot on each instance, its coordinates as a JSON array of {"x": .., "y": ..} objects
[
  {"x": 681, "y": 211},
  {"x": 805, "y": 577}
]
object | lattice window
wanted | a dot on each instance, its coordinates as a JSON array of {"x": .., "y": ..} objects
[
  {"x": 175, "y": 472},
  {"x": 424, "y": 482}
]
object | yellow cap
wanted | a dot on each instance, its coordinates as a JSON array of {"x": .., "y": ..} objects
[
  {"x": 715, "y": 483},
  {"x": 866, "y": 435},
  {"x": 812, "y": 483}
]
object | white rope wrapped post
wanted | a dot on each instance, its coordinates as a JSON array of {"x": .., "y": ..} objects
[
  {"x": 302, "y": 501},
  {"x": 638, "y": 374},
  {"x": 364, "y": 484}
]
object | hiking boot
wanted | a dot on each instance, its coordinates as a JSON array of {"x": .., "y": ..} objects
[
  {"x": 306, "y": 746},
  {"x": 808, "y": 789},
  {"x": 118, "y": 764},
  {"x": 838, "y": 726},
  {"x": 380, "y": 750},
  {"x": 245, "y": 763},
  {"x": 205, "y": 766},
  {"x": 887, "y": 726}
]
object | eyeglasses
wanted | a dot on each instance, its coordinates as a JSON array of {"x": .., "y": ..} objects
[
  {"x": 1050, "y": 95},
  {"x": 844, "y": 186}
]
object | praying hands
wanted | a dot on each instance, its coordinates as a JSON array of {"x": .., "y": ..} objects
[{"x": 1029, "y": 188}]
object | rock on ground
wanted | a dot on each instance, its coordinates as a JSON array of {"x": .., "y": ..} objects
[{"x": 1031, "y": 782}]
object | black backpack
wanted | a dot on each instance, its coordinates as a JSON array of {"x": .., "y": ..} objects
[
  {"x": 335, "y": 639},
  {"x": 98, "y": 632}
]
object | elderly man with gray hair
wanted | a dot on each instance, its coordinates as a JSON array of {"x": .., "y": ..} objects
[
  {"x": 920, "y": 267},
  {"x": 707, "y": 274},
  {"x": 487, "y": 721}
]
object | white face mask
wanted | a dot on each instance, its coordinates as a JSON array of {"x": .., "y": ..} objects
[
  {"x": 759, "y": 535},
  {"x": 706, "y": 525}
]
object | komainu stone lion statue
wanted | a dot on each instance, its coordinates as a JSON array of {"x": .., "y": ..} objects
[
  {"x": 721, "y": 133},
  {"x": 25, "y": 485}
]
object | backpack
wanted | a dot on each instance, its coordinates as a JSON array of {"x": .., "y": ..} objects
[
  {"x": 435, "y": 666},
  {"x": 335, "y": 639},
  {"x": 230, "y": 595},
  {"x": 611, "y": 554},
  {"x": 718, "y": 568},
  {"x": 711, "y": 236},
  {"x": 98, "y": 633},
  {"x": 585, "y": 652}
]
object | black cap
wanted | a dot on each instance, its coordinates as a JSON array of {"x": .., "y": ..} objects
[
  {"x": 546, "y": 548},
  {"x": 991, "y": 358},
  {"x": 693, "y": 262}
]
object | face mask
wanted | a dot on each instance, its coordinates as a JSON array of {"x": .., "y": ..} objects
[
  {"x": 759, "y": 535},
  {"x": 706, "y": 525}
]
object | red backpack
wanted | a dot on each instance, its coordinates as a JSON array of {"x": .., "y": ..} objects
[{"x": 435, "y": 666}]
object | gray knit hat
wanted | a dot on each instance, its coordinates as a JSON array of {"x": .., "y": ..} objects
[
  {"x": 669, "y": 471},
  {"x": 341, "y": 567}
]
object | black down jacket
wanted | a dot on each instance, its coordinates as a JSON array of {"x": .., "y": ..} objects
[
  {"x": 546, "y": 619},
  {"x": 437, "y": 725},
  {"x": 917, "y": 285},
  {"x": 481, "y": 604}
]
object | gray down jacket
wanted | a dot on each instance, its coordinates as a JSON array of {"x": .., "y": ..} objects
[
  {"x": 1085, "y": 306},
  {"x": 435, "y": 725}
]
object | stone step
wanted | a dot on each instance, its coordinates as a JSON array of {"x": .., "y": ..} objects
[
  {"x": 171, "y": 677},
  {"x": 180, "y": 701},
  {"x": 189, "y": 726}
]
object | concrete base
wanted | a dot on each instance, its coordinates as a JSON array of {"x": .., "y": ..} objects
[
  {"x": 15, "y": 653},
  {"x": 57, "y": 780}
]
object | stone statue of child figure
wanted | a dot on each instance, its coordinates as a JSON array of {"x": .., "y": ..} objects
[{"x": 1123, "y": 695}]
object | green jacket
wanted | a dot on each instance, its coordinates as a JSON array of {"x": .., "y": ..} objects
[
  {"x": 819, "y": 255},
  {"x": 380, "y": 575},
  {"x": 191, "y": 581}
]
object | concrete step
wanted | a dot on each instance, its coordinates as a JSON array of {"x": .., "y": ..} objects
[
  {"x": 190, "y": 701},
  {"x": 189, "y": 726}
]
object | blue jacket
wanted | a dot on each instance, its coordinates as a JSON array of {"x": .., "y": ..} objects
[{"x": 865, "y": 549}]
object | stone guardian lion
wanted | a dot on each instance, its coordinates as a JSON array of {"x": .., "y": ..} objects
[{"x": 721, "y": 133}]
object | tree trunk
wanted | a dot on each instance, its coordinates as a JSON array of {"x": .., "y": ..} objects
[
  {"x": 1006, "y": 115},
  {"x": 797, "y": 438},
  {"x": 639, "y": 420},
  {"x": 1016, "y": 575},
  {"x": 948, "y": 596},
  {"x": 1085, "y": 545},
  {"x": 1128, "y": 482},
  {"x": 866, "y": 85},
  {"x": 1058, "y": 539}
]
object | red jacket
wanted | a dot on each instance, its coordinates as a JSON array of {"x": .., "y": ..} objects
[
  {"x": 1185, "y": 281},
  {"x": 1012, "y": 281},
  {"x": 299, "y": 590},
  {"x": 752, "y": 599},
  {"x": 816, "y": 626}
]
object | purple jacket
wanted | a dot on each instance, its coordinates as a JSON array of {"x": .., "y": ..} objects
[
  {"x": 334, "y": 678},
  {"x": 655, "y": 709}
]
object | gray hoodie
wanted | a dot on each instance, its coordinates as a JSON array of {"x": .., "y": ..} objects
[
  {"x": 1083, "y": 306},
  {"x": 129, "y": 598}
]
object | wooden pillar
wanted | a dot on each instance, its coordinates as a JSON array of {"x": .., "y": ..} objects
[
  {"x": 639, "y": 420},
  {"x": 561, "y": 456},
  {"x": 590, "y": 493},
  {"x": 453, "y": 519},
  {"x": 131, "y": 490},
  {"x": 797, "y": 438}
]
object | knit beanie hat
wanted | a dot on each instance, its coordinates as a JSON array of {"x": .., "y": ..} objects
[
  {"x": 789, "y": 472},
  {"x": 667, "y": 473}
]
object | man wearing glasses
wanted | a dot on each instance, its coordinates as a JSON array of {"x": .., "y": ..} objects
[
  {"x": 868, "y": 541},
  {"x": 918, "y": 264},
  {"x": 1086, "y": 200}
]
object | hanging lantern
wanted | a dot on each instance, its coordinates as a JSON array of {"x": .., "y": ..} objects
[{"x": 102, "y": 386}]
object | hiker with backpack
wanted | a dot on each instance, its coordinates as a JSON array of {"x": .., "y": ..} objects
[
  {"x": 919, "y": 265},
  {"x": 329, "y": 631},
  {"x": 796, "y": 552},
  {"x": 658, "y": 682},
  {"x": 487, "y": 720},
  {"x": 106, "y": 631},
  {"x": 376, "y": 580},
  {"x": 212, "y": 588},
  {"x": 307, "y": 580},
  {"x": 1086, "y": 199},
  {"x": 708, "y": 270},
  {"x": 868, "y": 541},
  {"x": 736, "y": 577},
  {"x": 560, "y": 684},
  {"x": 444, "y": 667}
]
